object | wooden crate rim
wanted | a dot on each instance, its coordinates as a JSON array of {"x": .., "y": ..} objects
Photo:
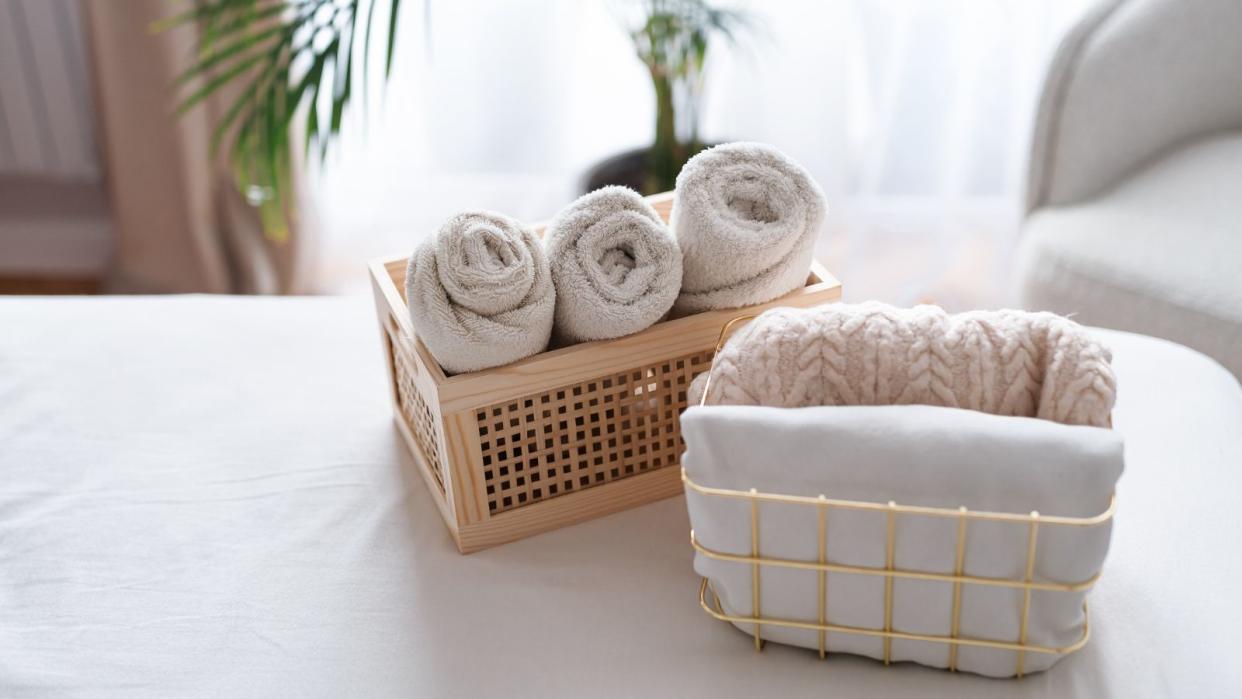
[
  {"x": 599, "y": 357},
  {"x": 818, "y": 280}
]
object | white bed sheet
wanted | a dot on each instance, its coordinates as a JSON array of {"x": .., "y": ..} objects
[{"x": 206, "y": 497}]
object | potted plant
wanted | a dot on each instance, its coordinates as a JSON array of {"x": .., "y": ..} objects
[
  {"x": 671, "y": 38},
  {"x": 271, "y": 60}
]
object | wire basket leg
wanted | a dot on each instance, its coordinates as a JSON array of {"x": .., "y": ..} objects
[
  {"x": 754, "y": 570},
  {"x": 888, "y": 582},
  {"x": 1032, "y": 540},
  {"x": 823, "y": 574},
  {"x": 959, "y": 561}
]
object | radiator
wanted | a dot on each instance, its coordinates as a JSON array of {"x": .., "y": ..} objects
[{"x": 46, "y": 108}]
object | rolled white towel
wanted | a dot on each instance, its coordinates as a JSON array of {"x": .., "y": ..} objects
[
  {"x": 747, "y": 218},
  {"x": 615, "y": 266},
  {"x": 480, "y": 293}
]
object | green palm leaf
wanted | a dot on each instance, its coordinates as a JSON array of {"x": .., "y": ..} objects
[{"x": 274, "y": 57}]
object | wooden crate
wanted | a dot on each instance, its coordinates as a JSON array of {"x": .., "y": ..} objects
[{"x": 560, "y": 437}]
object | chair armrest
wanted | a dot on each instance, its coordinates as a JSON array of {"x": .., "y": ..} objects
[{"x": 1131, "y": 80}]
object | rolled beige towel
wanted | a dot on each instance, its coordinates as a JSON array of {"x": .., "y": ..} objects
[
  {"x": 480, "y": 292},
  {"x": 1001, "y": 362},
  {"x": 615, "y": 266},
  {"x": 747, "y": 219}
]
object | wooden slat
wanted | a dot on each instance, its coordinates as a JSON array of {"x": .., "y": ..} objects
[{"x": 461, "y": 436}]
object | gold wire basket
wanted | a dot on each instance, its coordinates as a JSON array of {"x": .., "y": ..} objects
[{"x": 1033, "y": 522}]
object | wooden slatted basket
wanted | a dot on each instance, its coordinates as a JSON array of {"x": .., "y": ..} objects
[{"x": 560, "y": 437}]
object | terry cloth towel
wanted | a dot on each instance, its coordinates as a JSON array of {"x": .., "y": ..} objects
[
  {"x": 747, "y": 218},
  {"x": 615, "y": 266},
  {"x": 913, "y": 455},
  {"x": 1002, "y": 362},
  {"x": 480, "y": 293}
]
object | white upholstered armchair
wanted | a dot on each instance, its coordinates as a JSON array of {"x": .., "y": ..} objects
[{"x": 1134, "y": 197}]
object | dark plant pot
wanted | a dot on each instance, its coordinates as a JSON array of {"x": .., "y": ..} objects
[{"x": 627, "y": 168}]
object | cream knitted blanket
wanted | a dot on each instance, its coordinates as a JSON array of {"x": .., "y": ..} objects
[{"x": 1002, "y": 362}]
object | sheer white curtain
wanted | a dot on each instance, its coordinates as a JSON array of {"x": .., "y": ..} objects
[{"x": 913, "y": 114}]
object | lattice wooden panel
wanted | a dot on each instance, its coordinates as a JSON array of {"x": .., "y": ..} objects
[
  {"x": 586, "y": 434},
  {"x": 419, "y": 418}
]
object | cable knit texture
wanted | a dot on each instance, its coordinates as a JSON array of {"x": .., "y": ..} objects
[
  {"x": 615, "y": 266},
  {"x": 747, "y": 218},
  {"x": 1002, "y": 362},
  {"x": 480, "y": 293}
]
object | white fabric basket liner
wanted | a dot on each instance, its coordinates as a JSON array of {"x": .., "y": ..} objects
[{"x": 912, "y": 455}]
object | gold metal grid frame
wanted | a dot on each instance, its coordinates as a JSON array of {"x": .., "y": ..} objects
[{"x": 1034, "y": 523}]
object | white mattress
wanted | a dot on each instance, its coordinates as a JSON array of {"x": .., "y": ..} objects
[{"x": 206, "y": 496}]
